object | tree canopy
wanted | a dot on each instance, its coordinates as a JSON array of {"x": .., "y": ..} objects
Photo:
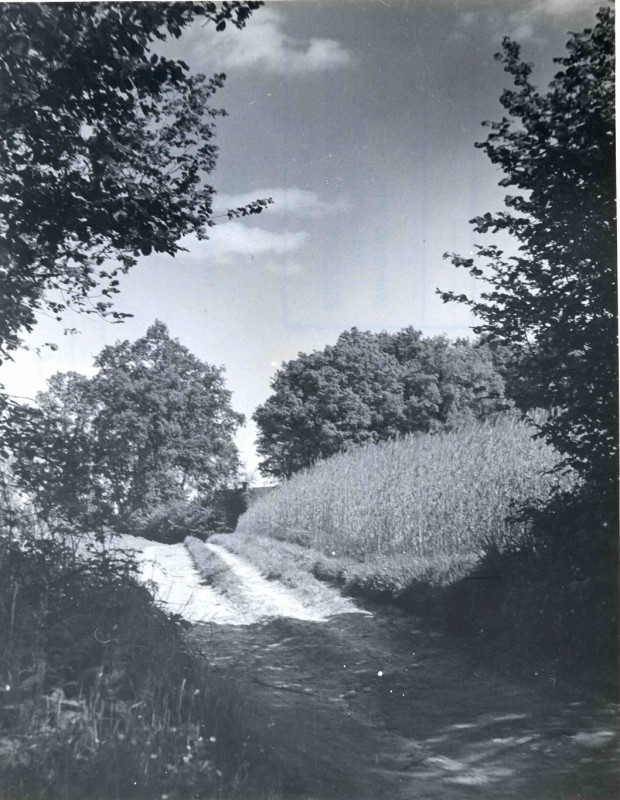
[
  {"x": 153, "y": 427},
  {"x": 555, "y": 302},
  {"x": 370, "y": 387},
  {"x": 104, "y": 149}
]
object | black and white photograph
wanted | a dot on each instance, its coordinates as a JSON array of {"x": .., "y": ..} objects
[{"x": 308, "y": 400}]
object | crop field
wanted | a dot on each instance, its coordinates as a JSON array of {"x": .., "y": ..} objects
[{"x": 423, "y": 496}]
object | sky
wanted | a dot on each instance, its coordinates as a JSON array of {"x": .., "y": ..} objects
[{"x": 359, "y": 120}]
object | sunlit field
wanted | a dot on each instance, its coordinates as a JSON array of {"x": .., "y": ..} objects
[{"x": 428, "y": 496}]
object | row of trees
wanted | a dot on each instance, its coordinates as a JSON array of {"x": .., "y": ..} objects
[{"x": 154, "y": 428}]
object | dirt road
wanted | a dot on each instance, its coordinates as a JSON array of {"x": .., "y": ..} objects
[{"x": 376, "y": 706}]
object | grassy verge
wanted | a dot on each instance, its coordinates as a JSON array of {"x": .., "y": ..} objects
[
  {"x": 212, "y": 569},
  {"x": 411, "y": 584},
  {"x": 102, "y": 695},
  {"x": 288, "y": 563}
]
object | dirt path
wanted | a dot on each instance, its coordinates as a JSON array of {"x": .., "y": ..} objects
[
  {"x": 179, "y": 589},
  {"x": 264, "y": 599},
  {"x": 373, "y": 707},
  {"x": 376, "y": 706}
]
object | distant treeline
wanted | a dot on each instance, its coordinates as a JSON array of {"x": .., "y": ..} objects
[{"x": 371, "y": 387}]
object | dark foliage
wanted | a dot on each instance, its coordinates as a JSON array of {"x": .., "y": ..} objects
[
  {"x": 102, "y": 695},
  {"x": 552, "y": 600},
  {"x": 549, "y": 315},
  {"x": 104, "y": 149},
  {"x": 173, "y": 522},
  {"x": 372, "y": 387},
  {"x": 555, "y": 303}
]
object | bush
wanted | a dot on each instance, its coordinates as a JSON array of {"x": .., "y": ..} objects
[
  {"x": 173, "y": 522},
  {"x": 566, "y": 579}
]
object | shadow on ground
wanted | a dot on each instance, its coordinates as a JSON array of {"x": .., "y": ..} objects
[{"x": 378, "y": 707}]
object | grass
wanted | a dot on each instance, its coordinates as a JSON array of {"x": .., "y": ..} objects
[
  {"x": 213, "y": 571},
  {"x": 103, "y": 696},
  {"x": 290, "y": 564}
]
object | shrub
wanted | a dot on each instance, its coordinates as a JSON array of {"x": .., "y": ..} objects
[
  {"x": 172, "y": 522},
  {"x": 569, "y": 578}
]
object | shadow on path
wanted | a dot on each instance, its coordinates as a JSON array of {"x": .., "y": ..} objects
[{"x": 376, "y": 707}]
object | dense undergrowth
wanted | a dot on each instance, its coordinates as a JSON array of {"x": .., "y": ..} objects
[
  {"x": 471, "y": 528},
  {"x": 102, "y": 694}
]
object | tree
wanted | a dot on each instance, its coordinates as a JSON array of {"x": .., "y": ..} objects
[
  {"x": 554, "y": 304},
  {"x": 518, "y": 369},
  {"x": 372, "y": 387},
  {"x": 153, "y": 427},
  {"x": 104, "y": 150},
  {"x": 52, "y": 446},
  {"x": 326, "y": 401},
  {"x": 445, "y": 383}
]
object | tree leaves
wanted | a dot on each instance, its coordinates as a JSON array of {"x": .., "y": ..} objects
[
  {"x": 153, "y": 426},
  {"x": 87, "y": 114},
  {"x": 371, "y": 387},
  {"x": 558, "y": 299}
]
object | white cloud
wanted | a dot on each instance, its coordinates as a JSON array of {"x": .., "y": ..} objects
[
  {"x": 264, "y": 44},
  {"x": 529, "y": 8},
  {"x": 521, "y": 22},
  {"x": 522, "y": 31},
  {"x": 236, "y": 239},
  {"x": 564, "y": 8},
  {"x": 286, "y": 202},
  {"x": 236, "y": 242}
]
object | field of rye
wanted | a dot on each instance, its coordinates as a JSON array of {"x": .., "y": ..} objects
[{"x": 425, "y": 497}]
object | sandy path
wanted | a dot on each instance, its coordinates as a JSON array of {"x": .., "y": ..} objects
[{"x": 178, "y": 587}]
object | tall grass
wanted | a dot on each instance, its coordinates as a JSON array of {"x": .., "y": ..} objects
[
  {"x": 425, "y": 496},
  {"x": 102, "y": 695}
]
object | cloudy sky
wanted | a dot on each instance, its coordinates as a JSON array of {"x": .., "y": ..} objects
[{"x": 359, "y": 120}]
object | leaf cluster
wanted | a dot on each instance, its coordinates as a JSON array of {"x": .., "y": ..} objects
[
  {"x": 554, "y": 303},
  {"x": 154, "y": 426},
  {"x": 104, "y": 149}
]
